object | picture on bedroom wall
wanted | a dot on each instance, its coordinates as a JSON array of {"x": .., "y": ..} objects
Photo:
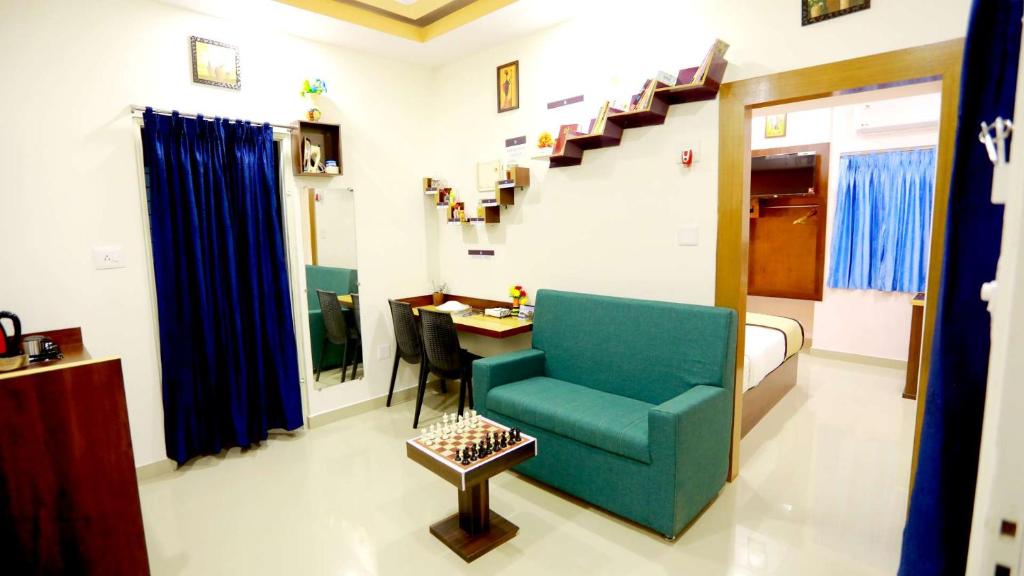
[
  {"x": 215, "y": 63},
  {"x": 818, "y": 10},
  {"x": 775, "y": 126},
  {"x": 508, "y": 86}
]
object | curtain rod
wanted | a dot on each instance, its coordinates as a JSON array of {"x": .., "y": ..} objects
[
  {"x": 138, "y": 110},
  {"x": 884, "y": 150}
]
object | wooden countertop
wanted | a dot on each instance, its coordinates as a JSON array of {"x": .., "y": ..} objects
[
  {"x": 70, "y": 342},
  {"x": 478, "y": 323}
]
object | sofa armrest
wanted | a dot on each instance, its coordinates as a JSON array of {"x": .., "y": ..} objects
[
  {"x": 494, "y": 371},
  {"x": 691, "y": 436}
]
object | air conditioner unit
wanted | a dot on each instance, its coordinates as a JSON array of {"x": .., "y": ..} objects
[{"x": 872, "y": 119}]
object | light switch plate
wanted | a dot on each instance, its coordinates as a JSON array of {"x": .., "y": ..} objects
[
  {"x": 107, "y": 257},
  {"x": 688, "y": 236},
  {"x": 383, "y": 351}
]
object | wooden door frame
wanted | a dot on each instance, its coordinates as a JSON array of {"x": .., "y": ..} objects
[{"x": 940, "y": 61}]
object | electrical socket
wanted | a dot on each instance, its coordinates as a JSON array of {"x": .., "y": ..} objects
[{"x": 107, "y": 257}]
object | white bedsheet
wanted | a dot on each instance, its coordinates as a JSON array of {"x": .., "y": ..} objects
[{"x": 765, "y": 351}]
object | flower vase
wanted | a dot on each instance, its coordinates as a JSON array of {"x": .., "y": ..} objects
[
  {"x": 313, "y": 113},
  {"x": 515, "y": 307}
]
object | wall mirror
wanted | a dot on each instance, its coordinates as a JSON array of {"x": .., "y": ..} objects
[{"x": 329, "y": 228}]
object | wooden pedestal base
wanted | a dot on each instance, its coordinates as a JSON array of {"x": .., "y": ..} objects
[{"x": 475, "y": 529}]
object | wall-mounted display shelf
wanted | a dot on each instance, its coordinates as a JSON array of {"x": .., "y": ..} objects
[
  {"x": 516, "y": 179},
  {"x": 326, "y": 136},
  {"x": 664, "y": 96}
]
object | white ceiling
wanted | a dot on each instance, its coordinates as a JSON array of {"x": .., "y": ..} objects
[{"x": 518, "y": 19}]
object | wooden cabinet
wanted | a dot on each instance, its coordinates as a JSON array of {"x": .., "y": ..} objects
[
  {"x": 69, "y": 500},
  {"x": 914, "y": 353},
  {"x": 787, "y": 234}
]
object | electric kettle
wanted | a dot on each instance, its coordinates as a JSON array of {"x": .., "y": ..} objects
[{"x": 10, "y": 342}]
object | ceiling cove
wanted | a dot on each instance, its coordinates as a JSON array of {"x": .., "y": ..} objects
[{"x": 417, "y": 20}]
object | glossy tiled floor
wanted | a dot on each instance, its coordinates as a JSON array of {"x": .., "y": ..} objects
[{"x": 823, "y": 490}]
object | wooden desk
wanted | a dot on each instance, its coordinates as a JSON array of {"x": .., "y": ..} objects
[
  {"x": 477, "y": 324},
  {"x": 914, "y": 354}
]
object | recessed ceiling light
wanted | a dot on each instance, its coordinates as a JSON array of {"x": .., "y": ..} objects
[{"x": 407, "y": 2}]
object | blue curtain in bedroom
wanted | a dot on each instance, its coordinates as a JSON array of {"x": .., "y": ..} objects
[
  {"x": 227, "y": 344},
  {"x": 883, "y": 221},
  {"x": 935, "y": 540}
]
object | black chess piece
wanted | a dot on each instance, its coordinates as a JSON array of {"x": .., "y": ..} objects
[
  {"x": 457, "y": 455},
  {"x": 504, "y": 440},
  {"x": 465, "y": 459},
  {"x": 472, "y": 454}
]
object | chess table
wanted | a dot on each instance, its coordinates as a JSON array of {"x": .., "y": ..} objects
[{"x": 475, "y": 529}]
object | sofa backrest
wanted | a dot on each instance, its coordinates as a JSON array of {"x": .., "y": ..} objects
[
  {"x": 340, "y": 280},
  {"x": 646, "y": 350}
]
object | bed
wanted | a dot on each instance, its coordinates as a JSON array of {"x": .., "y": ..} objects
[{"x": 770, "y": 362}]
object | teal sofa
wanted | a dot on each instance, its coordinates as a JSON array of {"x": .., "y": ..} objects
[
  {"x": 339, "y": 280},
  {"x": 631, "y": 402}
]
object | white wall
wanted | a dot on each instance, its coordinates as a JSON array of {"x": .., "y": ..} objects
[
  {"x": 610, "y": 225},
  {"x": 862, "y": 322},
  {"x": 68, "y": 178},
  {"x": 68, "y": 161}
]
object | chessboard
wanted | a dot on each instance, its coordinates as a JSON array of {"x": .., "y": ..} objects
[{"x": 446, "y": 447}]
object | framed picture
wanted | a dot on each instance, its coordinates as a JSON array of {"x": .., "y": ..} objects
[
  {"x": 818, "y": 10},
  {"x": 775, "y": 126},
  {"x": 215, "y": 63},
  {"x": 526, "y": 312},
  {"x": 508, "y": 86}
]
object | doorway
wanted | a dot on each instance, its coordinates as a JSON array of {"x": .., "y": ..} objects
[{"x": 738, "y": 100}]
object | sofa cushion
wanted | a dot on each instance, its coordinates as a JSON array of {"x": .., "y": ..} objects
[
  {"x": 646, "y": 350},
  {"x": 613, "y": 423}
]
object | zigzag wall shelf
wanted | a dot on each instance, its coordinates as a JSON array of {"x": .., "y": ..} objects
[{"x": 664, "y": 96}]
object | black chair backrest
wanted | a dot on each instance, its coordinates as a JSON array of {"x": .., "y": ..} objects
[
  {"x": 334, "y": 317},
  {"x": 407, "y": 333},
  {"x": 355, "y": 311},
  {"x": 441, "y": 342}
]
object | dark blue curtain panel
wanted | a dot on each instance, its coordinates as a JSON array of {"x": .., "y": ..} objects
[
  {"x": 227, "y": 342},
  {"x": 935, "y": 539}
]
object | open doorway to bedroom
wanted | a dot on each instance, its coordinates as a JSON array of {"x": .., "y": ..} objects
[
  {"x": 840, "y": 217},
  {"x": 855, "y": 435}
]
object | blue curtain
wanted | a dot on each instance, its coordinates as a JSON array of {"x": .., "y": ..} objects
[
  {"x": 883, "y": 221},
  {"x": 227, "y": 343},
  {"x": 935, "y": 540}
]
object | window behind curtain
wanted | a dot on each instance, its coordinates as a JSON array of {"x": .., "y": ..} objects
[{"x": 883, "y": 218}]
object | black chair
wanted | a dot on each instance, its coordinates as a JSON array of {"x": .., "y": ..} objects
[
  {"x": 359, "y": 330},
  {"x": 407, "y": 340},
  {"x": 444, "y": 357},
  {"x": 338, "y": 332}
]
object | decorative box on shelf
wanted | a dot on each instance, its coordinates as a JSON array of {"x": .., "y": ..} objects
[{"x": 321, "y": 136}]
